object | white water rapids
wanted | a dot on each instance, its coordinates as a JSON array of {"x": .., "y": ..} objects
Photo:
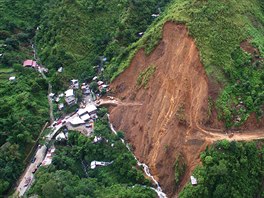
[{"x": 158, "y": 189}]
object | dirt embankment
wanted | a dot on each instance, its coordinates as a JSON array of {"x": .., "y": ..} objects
[
  {"x": 172, "y": 107},
  {"x": 176, "y": 96}
]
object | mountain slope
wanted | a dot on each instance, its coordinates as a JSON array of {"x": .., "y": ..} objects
[
  {"x": 174, "y": 99},
  {"x": 218, "y": 27}
]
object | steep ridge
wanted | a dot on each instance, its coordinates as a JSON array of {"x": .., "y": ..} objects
[{"x": 174, "y": 101}]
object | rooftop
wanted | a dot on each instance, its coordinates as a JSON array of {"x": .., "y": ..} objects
[{"x": 69, "y": 93}]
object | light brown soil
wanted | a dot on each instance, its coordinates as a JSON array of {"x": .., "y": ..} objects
[{"x": 173, "y": 108}]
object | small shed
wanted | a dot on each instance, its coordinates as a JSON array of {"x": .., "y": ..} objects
[
  {"x": 60, "y": 106},
  {"x": 75, "y": 84},
  {"x": 12, "y": 78},
  {"x": 51, "y": 95},
  {"x": 60, "y": 69},
  {"x": 61, "y": 136},
  {"x": 193, "y": 181}
]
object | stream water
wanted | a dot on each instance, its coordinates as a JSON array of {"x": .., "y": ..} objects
[{"x": 158, "y": 189}]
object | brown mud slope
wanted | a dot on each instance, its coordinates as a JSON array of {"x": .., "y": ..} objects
[
  {"x": 169, "y": 117},
  {"x": 174, "y": 101}
]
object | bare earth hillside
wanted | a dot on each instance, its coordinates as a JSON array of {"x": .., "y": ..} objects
[{"x": 167, "y": 118}]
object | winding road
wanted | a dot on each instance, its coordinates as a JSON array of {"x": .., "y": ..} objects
[{"x": 212, "y": 135}]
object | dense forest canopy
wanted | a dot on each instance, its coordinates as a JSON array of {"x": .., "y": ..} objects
[{"x": 229, "y": 169}]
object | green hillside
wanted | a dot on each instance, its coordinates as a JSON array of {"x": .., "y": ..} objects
[
  {"x": 75, "y": 34},
  {"x": 23, "y": 104},
  {"x": 218, "y": 28}
]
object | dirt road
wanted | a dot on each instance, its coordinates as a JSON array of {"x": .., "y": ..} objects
[{"x": 174, "y": 107}]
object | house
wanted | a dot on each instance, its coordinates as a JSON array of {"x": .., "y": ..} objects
[
  {"x": 99, "y": 83},
  {"x": 85, "y": 89},
  {"x": 75, "y": 84},
  {"x": 60, "y": 106},
  {"x": 61, "y": 136},
  {"x": 70, "y": 97},
  {"x": 193, "y": 181},
  {"x": 91, "y": 109},
  {"x": 97, "y": 163},
  {"x": 82, "y": 111},
  {"x": 12, "y": 78},
  {"x": 60, "y": 69},
  {"x": 140, "y": 33},
  {"x": 51, "y": 95},
  {"x": 30, "y": 63},
  {"x": 85, "y": 117},
  {"x": 76, "y": 121},
  {"x": 155, "y": 15}
]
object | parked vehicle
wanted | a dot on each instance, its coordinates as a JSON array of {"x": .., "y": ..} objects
[
  {"x": 59, "y": 121},
  {"x": 54, "y": 123},
  {"x": 35, "y": 170},
  {"x": 33, "y": 160}
]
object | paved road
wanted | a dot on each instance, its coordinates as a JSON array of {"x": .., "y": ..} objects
[
  {"x": 40, "y": 154},
  {"x": 22, "y": 187}
]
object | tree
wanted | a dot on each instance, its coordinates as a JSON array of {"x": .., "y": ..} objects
[{"x": 94, "y": 86}]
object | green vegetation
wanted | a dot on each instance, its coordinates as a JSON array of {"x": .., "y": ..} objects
[
  {"x": 229, "y": 170},
  {"x": 218, "y": 28},
  {"x": 79, "y": 34},
  {"x": 24, "y": 106},
  {"x": 145, "y": 76},
  {"x": 70, "y": 173},
  {"x": 179, "y": 167}
]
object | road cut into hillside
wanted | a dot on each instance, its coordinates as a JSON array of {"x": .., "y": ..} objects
[{"x": 173, "y": 110}]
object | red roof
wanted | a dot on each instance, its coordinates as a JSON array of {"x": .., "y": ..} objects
[{"x": 30, "y": 63}]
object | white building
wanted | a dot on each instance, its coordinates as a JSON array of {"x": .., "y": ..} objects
[
  {"x": 91, "y": 109},
  {"x": 85, "y": 117},
  {"x": 70, "y": 97},
  {"x": 97, "y": 163},
  {"x": 12, "y": 78},
  {"x": 61, "y": 136},
  {"x": 193, "y": 180},
  {"x": 60, "y": 69},
  {"x": 76, "y": 121},
  {"x": 75, "y": 84},
  {"x": 51, "y": 95},
  {"x": 60, "y": 106}
]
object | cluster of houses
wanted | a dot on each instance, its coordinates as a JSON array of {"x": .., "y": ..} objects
[{"x": 84, "y": 115}]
